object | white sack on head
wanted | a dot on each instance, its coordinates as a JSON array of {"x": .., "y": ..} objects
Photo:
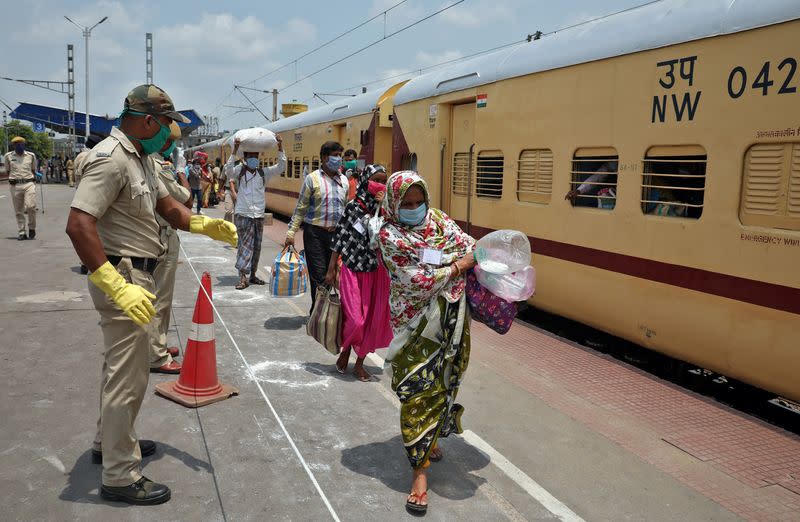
[{"x": 255, "y": 139}]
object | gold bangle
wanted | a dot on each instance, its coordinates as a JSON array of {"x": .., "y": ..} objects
[{"x": 458, "y": 269}]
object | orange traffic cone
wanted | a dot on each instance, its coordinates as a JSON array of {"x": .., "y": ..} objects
[{"x": 198, "y": 384}]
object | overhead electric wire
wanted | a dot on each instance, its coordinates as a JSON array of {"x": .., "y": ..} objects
[
  {"x": 428, "y": 67},
  {"x": 376, "y": 42},
  {"x": 312, "y": 51},
  {"x": 421, "y": 69},
  {"x": 602, "y": 17}
]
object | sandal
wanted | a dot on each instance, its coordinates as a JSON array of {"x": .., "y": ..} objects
[
  {"x": 433, "y": 457},
  {"x": 242, "y": 284},
  {"x": 364, "y": 377},
  {"x": 256, "y": 281},
  {"x": 413, "y": 502}
]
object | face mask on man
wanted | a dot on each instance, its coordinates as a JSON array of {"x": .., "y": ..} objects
[
  {"x": 153, "y": 143},
  {"x": 252, "y": 163},
  {"x": 350, "y": 164},
  {"x": 19, "y": 148},
  {"x": 334, "y": 163},
  {"x": 413, "y": 216}
]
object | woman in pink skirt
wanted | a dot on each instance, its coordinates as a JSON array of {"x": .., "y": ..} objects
[{"x": 363, "y": 280}]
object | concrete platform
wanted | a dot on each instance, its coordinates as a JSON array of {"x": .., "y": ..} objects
[{"x": 302, "y": 442}]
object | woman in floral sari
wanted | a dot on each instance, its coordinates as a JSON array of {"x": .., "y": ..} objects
[{"x": 427, "y": 255}]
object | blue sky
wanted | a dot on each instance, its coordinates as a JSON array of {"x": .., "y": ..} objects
[{"x": 201, "y": 48}]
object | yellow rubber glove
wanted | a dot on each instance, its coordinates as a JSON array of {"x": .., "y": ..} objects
[
  {"x": 218, "y": 229},
  {"x": 134, "y": 300}
]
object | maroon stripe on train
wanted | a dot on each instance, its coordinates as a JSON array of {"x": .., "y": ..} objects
[
  {"x": 281, "y": 192},
  {"x": 778, "y": 297}
]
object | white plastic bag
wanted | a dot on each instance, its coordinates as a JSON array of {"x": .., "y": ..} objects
[
  {"x": 503, "y": 252},
  {"x": 517, "y": 286},
  {"x": 255, "y": 139}
]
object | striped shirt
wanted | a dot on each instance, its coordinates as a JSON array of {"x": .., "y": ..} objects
[{"x": 321, "y": 202}]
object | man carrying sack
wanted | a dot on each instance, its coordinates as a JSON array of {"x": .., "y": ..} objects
[
  {"x": 248, "y": 182},
  {"x": 113, "y": 227}
]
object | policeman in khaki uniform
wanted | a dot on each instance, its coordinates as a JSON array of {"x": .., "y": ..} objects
[
  {"x": 113, "y": 227},
  {"x": 21, "y": 167},
  {"x": 71, "y": 171},
  {"x": 161, "y": 357}
]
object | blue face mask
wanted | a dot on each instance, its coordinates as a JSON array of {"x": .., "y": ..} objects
[
  {"x": 334, "y": 162},
  {"x": 413, "y": 216},
  {"x": 252, "y": 163},
  {"x": 19, "y": 148}
]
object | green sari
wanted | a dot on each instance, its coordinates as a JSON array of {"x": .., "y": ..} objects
[{"x": 427, "y": 371}]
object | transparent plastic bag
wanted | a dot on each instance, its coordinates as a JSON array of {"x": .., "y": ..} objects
[
  {"x": 516, "y": 286},
  {"x": 503, "y": 252}
]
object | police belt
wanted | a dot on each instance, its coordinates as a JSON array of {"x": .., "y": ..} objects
[
  {"x": 19, "y": 181},
  {"x": 139, "y": 263}
]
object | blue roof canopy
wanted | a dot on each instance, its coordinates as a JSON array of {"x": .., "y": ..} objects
[{"x": 58, "y": 119}]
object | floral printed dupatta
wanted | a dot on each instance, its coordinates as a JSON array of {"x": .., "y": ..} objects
[
  {"x": 416, "y": 284},
  {"x": 430, "y": 320}
]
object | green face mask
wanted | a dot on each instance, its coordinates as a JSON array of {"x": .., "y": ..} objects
[
  {"x": 157, "y": 142},
  {"x": 350, "y": 164},
  {"x": 167, "y": 153}
]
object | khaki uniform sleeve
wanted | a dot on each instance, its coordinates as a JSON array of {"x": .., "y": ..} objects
[
  {"x": 161, "y": 190},
  {"x": 99, "y": 187}
]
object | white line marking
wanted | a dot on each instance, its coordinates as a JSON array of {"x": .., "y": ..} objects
[
  {"x": 266, "y": 399},
  {"x": 541, "y": 495}
]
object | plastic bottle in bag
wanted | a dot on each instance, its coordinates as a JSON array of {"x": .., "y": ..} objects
[
  {"x": 503, "y": 252},
  {"x": 516, "y": 286}
]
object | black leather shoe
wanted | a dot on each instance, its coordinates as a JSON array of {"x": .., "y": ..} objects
[
  {"x": 31, "y": 233},
  {"x": 143, "y": 492},
  {"x": 147, "y": 447}
]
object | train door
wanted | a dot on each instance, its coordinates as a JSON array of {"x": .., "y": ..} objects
[{"x": 462, "y": 148}]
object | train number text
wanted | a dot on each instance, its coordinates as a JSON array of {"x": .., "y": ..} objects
[{"x": 738, "y": 79}]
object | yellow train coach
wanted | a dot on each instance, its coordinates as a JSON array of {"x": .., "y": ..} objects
[{"x": 652, "y": 157}]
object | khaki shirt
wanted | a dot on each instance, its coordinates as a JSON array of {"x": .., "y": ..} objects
[
  {"x": 166, "y": 173},
  {"x": 70, "y": 164},
  {"x": 120, "y": 188},
  {"x": 20, "y": 166}
]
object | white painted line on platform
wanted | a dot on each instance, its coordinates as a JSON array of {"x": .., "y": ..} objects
[
  {"x": 541, "y": 495},
  {"x": 266, "y": 398}
]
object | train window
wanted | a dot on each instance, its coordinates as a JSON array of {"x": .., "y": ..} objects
[
  {"x": 535, "y": 175},
  {"x": 489, "y": 179},
  {"x": 306, "y": 166},
  {"x": 314, "y": 163},
  {"x": 298, "y": 166},
  {"x": 409, "y": 161},
  {"x": 460, "y": 173},
  {"x": 287, "y": 173},
  {"x": 674, "y": 181},
  {"x": 594, "y": 178},
  {"x": 771, "y": 186}
]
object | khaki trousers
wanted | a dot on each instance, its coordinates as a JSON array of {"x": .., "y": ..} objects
[
  {"x": 24, "y": 197},
  {"x": 71, "y": 177},
  {"x": 228, "y": 206},
  {"x": 164, "y": 276},
  {"x": 124, "y": 381}
]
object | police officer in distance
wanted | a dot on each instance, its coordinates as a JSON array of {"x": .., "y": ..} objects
[
  {"x": 21, "y": 167},
  {"x": 113, "y": 227}
]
